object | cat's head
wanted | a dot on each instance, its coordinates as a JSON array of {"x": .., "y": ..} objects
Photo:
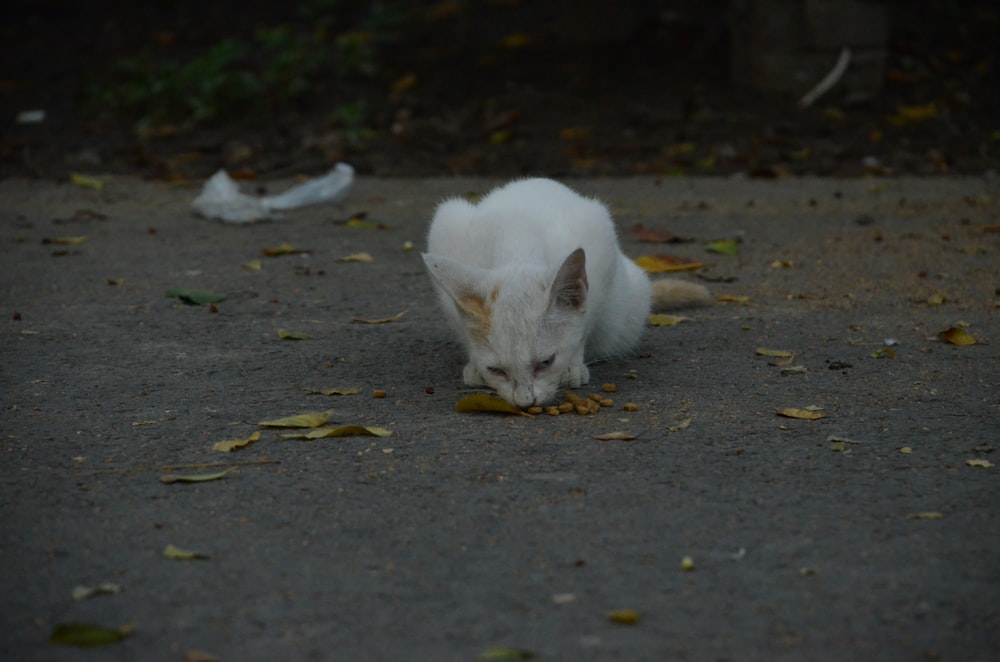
[{"x": 524, "y": 326}]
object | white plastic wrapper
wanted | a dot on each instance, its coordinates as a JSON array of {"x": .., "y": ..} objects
[{"x": 221, "y": 198}]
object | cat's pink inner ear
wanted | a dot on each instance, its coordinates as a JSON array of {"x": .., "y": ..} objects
[{"x": 569, "y": 289}]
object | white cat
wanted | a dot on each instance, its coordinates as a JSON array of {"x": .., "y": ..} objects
[{"x": 534, "y": 283}]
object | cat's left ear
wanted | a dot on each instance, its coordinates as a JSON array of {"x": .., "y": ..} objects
[{"x": 569, "y": 289}]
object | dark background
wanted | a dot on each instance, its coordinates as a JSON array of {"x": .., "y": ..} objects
[{"x": 176, "y": 89}]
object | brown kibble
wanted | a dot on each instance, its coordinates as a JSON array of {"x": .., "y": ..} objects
[
  {"x": 565, "y": 407},
  {"x": 582, "y": 410},
  {"x": 609, "y": 388},
  {"x": 552, "y": 411},
  {"x": 535, "y": 410},
  {"x": 630, "y": 406},
  {"x": 606, "y": 402},
  {"x": 379, "y": 393},
  {"x": 596, "y": 397}
]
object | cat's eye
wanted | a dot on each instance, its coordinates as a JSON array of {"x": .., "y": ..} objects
[
  {"x": 499, "y": 372},
  {"x": 544, "y": 365}
]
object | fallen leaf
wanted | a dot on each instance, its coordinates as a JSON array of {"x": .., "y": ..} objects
[
  {"x": 196, "y": 297},
  {"x": 656, "y": 264},
  {"x": 338, "y": 390},
  {"x": 177, "y": 554},
  {"x": 654, "y": 236},
  {"x": 233, "y": 444},
  {"x": 357, "y": 257},
  {"x": 81, "y": 593},
  {"x": 116, "y": 281},
  {"x": 683, "y": 425},
  {"x": 252, "y": 265},
  {"x": 310, "y": 420},
  {"x": 283, "y": 248},
  {"x": 86, "y": 181},
  {"x": 687, "y": 564},
  {"x": 732, "y": 298},
  {"x": 906, "y": 450},
  {"x": 624, "y": 616},
  {"x": 498, "y": 654},
  {"x": 910, "y": 114},
  {"x": 659, "y": 319},
  {"x": 481, "y": 402},
  {"x": 725, "y": 247},
  {"x": 614, "y": 436},
  {"x": 985, "y": 464},
  {"x": 804, "y": 414},
  {"x": 343, "y": 431},
  {"x": 169, "y": 479},
  {"x": 781, "y": 264},
  {"x": 793, "y": 370},
  {"x": 927, "y": 514},
  {"x": 66, "y": 241},
  {"x": 780, "y": 353},
  {"x": 956, "y": 335},
  {"x": 293, "y": 335},
  {"x": 383, "y": 320},
  {"x": 85, "y": 634},
  {"x": 883, "y": 353},
  {"x": 838, "y": 446}
]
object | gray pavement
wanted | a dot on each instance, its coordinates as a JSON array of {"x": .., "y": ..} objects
[{"x": 463, "y": 533}]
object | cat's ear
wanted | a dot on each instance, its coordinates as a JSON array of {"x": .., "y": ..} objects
[
  {"x": 462, "y": 284},
  {"x": 569, "y": 289}
]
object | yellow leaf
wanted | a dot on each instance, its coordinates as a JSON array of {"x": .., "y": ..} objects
[
  {"x": 284, "y": 248},
  {"x": 478, "y": 402},
  {"x": 687, "y": 564},
  {"x": 252, "y": 265},
  {"x": 116, "y": 281},
  {"x": 804, "y": 414},
  {"x": 624, "y": 616},
  {"x": 732, "y": 298},
  {"x": 614, "y": 436},
  {"x": 178, "y": 554},
  {"x": 780, "y": 353},
  {"x": 311, "y": 420},
  {"x": 909, "y": 114},
  {"x": 655, "y": 264},
  {"x": 343, "y": 431},
  {"x": 956, "y": 335},
  {"x": 516, "y": 40},
  {"x": 384, "y": 320},
  {"x": 659, "y": 319},
  {"x": 233, "y": 444},
  {"x": 86, "y": 181},
  {"x": 357, "y": 257},
  {"x": 885, "y": 352},
  {"x": 985, "y": 464},
  {"x": 66, "y": 241},
  {"x": 927, "y": 514}
]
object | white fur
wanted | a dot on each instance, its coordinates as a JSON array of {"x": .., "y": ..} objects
[{"x": 514, "y": 252}]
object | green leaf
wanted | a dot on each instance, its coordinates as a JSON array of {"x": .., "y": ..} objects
[
  {"x": 726, "y": 247},
  {"x": 293, "y": 335},
  {"x": 196, "y": 297},
  {"x": 177, "y": 554},
  {"x": 195, "y": 478},
  {"x": 85, "y": 634}
]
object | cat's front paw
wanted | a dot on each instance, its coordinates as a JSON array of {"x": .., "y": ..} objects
[
  {"x": 577, "y": 376},
  {"x": 471, "y": 376}
]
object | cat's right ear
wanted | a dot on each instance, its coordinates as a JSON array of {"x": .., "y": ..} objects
[{"x": 461, "y": 283}]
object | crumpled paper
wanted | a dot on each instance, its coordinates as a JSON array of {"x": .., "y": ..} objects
[{"x": 221, "y": 198}]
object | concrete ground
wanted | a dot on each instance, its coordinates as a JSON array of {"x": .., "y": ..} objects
[{"x": 464, "y": 534}]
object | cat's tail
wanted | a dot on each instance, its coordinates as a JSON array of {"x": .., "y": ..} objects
[{"x": 670, "y": 294}]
